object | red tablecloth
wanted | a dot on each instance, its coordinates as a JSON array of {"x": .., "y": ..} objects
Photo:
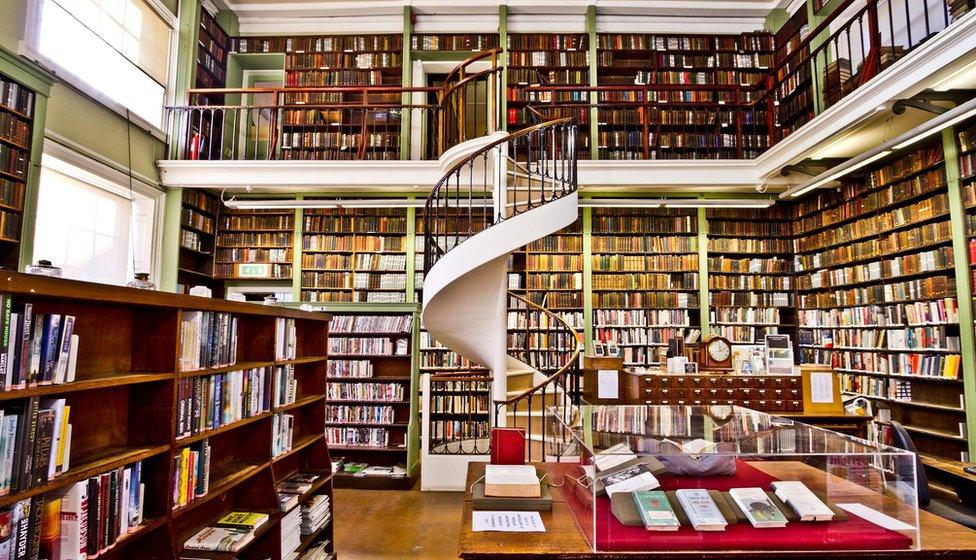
[{"x": 854, "y": 533}]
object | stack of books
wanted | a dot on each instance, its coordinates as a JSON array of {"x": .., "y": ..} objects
[
  {"x": 291, "y": 534},
  {"x": 512, "y": 488},
  {"x": 315, "y": 514},
  {"x": 232, "y": 532}
]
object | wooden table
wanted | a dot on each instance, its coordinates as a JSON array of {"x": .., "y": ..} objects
[{"x": 563, "y": 539}]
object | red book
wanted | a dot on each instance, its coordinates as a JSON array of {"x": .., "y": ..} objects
[{"x": 507, "y": 446}]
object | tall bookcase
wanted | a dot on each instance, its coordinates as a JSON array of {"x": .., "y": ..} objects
[
  {"x": 369, "y": 392},
  {"x": 16, "y": 136},
  {"x": 877, "y": 295},
  {"x": 645, "y": 279},
  {"x": 199, "y": 213},
  {"x": 125, "y": 405},
  {"x": 355, "y": 255},
  {"x": 795, "y": 94},
  {"x": 254, "y": 245},
  {"x": 750, "y": 280},
  {"x": 213, "y": 46}
]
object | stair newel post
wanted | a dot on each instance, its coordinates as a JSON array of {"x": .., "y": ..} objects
[{"x": 500, "y": 186}]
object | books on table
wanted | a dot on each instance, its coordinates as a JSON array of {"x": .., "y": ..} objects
[
  {"x": 512, "y": 481},
  {"x": 220, "y": 539},
  {"x": 702, "y": 512},
  {"x": 758, "y": 508},
  {"x": 806, "y": 504},
  {"x": 655, "y": 510},
  {"x": 630, "y": 479}
]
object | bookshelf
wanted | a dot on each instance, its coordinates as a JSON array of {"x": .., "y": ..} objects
[
  {"x": 795, "y": 93},
  {"x": 213, "y": 45},
  {"x": 354, "y": 255},
  {"x": 254, "y": 245},
  {"x": 460, "y": 415},
  {"x": 876, "y": 294},
  {"x": 199, "y": 212},
  {"x": 125, "y": 404},
  {"x": 750, "y": 274},
  {"x": 645, "y": 279},
  {"x": 453, "y": 42},
  {"x": 369, "y": 391},
  {"x": 16, "y": 137}
]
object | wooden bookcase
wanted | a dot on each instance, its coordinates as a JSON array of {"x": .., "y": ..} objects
[
  {"x": 460, "y": 409},
  {"x": 876, "y": 294},
  {"x": 369, "y": 388},
  {"x": 213, "y": 46},
  {"x": 796, "y": 106},
  {"x": 254, "y": 245},
  {"x": 645, "y": 279},
  {"x": 354, "y": 255},
  {"x": 453, "y": 42},
  {"x": 124, "y": 409},
  {"x": 16, "y": 136},
  {"x": 199, "y": 213}
]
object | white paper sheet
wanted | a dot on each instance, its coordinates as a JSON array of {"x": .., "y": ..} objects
[
  {"x": 507, "y": 521},
  {"x": 608, "y": 386},
  {"x": 822, "y": 387},
  {"x": 876, "y": 517}
]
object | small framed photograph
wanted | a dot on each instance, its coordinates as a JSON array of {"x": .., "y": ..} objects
[
  {"x": 691, "y": 367},
  {"x": 598, "y": 349},
  {"x": 612, "y": 349}
]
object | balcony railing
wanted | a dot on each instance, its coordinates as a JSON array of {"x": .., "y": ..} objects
[{"x": 840, "y": 54}]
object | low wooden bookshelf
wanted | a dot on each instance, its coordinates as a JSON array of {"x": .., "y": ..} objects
[
  {"x": 199, "y": 213},
  {"x": 125, "y": 408}
]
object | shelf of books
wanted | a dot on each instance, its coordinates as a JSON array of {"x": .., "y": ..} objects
[
  {"x": 694, "y": 125},
  {"x": 16, "y": 136},
  {"x": 213, "y": 44},
  {"x": 549, "y": 59},
  {"x": 254, "y": 245},
  {"x": 369, "y": 388},
  {"x": 354, "y": 255},
  {"x": 750, "y": 274},
  {"x": 460, "y": 415},
  {"x": 455, "y": 42},
  {"x": 795, "y": 93},
  {"x": 877, "y": 297},
  {"x": 645, "y": 279},
  {"x": 159, "y": 423},
  {"x": 334, "y": 130},
  {"x": 199, "y": 212}
]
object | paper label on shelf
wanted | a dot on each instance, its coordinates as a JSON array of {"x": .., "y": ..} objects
[
  {"x": 876, "y": 517},
  {"x": 608, "y": 386},
  {"x": 821, "y": 387},
  {"x": 507, "y": 521}
]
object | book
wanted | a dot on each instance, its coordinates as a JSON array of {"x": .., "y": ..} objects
[
  {"x": 220, "y": 539},
  {"x": 74, "y": 523},
  {"x": 655, "y": 510},
  {"x": 489, "y": 503},
  {"x": 243, "y": 520},
  {"x": 702, "y": 512},
  {"x": 757, "y": 507},
  {"x": 806, "y": 504},
  {"x": 512, "y": 481},
  {"x": 50, "y": 531},
  {"x": 631, "y": 479}
]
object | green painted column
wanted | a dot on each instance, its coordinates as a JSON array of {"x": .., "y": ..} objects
[
  {"x": 411, "y": 249},
  {"x": 503, "y": 43},
  {"x": 594, "y": 97},
  {"x": 413, "y": 425},
  {"x": 703, "y": 272},
  {"x": 296, "y": 256},
  {"x": 170, "y": 254},
  {"x": 405, "y": 81},
  {"x": 960, "y": 248},
  {"x": 186, "y": 58},
  {"x": 28, "y": 220},
  {"x": 588, "y": 278}
]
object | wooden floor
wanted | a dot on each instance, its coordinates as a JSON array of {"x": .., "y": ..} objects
[{"x": 395, "y": 524}]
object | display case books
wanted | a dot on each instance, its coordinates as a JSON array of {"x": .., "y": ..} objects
[
  {"x": 702, "y": 512},
  {"x": 627, "y": 479},
  {"x": 512, "y": 481},
  {"x": 761, "y": 512},
  {"x": 655, "y": 511},
  {"x": 806, "y": 504}
]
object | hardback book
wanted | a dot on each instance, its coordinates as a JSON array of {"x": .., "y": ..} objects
[
  {"x": 507, "y": 446},
  {"x": 50, "y": 545},
  {"x": 655, "y": 511},
  {"x": 74, "y": 522},
  {"x": 701, "y": 510},
  {"x": 221, "y": 539},
  {"x": 512, "y": 481},
  {"x": 613, "y": 456},
  {"x": 758, "y": 508},
  {"x": 491, "y": 503},
  {"x": 243, "y": 520},
  {"x": 42, "y": 446},
  {"x": 34, "y": 529},
  {"x": 806, "y": 504},
  {"x": 631, "y": 479},
  {"x": 20, "y": 523}
]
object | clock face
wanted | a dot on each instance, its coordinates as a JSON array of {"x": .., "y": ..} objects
[{"x": 719, "y": 350}]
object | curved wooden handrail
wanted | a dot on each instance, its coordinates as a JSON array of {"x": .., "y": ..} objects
[
  {"x": 569, "y": 365},
  {"x": 468, "y": 79},
  {"x": 457, "y": 70}
]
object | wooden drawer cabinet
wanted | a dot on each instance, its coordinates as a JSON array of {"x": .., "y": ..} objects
[{"x": 768, "y": 393}]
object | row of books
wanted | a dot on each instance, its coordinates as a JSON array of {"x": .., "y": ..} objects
[
  {"x": 374, "y": 346},
  {"x": 539, "y": 320},
  {"x": 548, "y": 58},
  {"x": 539, "y": 41},
  {"x": 442, "y": 431},
  {"x": 915, "y": 238},
  {"x": 936, "y": 260},
  {"x": 932, "y": 287},
  {"x": 312, "y": 295},
  {"x": 443, "y": 359},
  {"x": 359, "y": 437},
  {"x": 750, "y": 299},
  {"x": 343, "y": 141},
  {"x": 749, "y": 265},
  {"x": 557, "y": 243},
  {"x": 604, "y": 318},
  {"x": 652, "y": 300},
  {"x": 191, "y": 473},
  {"x": 743, "y": 42},
  {"x": 697, "y": 77},
  {"x": 644, "y": 263},
  {"x": 748, "y": 245},
  {"x": 355, "y": 224},
  {"x": 282, "y": 433},
  {"x": 722, "y": 60},
  {"x": 928, "y": 365},
  {"x": 350, "y": 368},
  {"x": 638, "y": 336},
  {"x": 557, "y": 300},
  {"x": 546, "y": 262},
  {"x": 453, "y": 42},
  {"x": 646, "y": 281},
  {"x": 16, "y": 97},
  {"x": 744, "y": 315},
  {"x": 13, "y": 161},
  {"x": 393, "y": 392},
  {"x": 15, "y": 129},
  {"x": 253, "y": 255},
  {"x": 362, "y": 261},
  {"x": 209, "y": 402},
  {"x": 12, "y": 194},
  {"x": 191, "y": 240},
  {"x": 457, "y": 404},
  {"x": 366, "y": 60},
  {"x": 913, "y": 338},
  {"x": 334, "y": 78},
  {"x": 907, "y": 165},
  {"x": 10, "y": 225},
  {"x": 750, "y": 282},
  {"x": 35, "y": 443},
  {"x": 354, "y": 280},
  {"x": 909, "y": 314},
  {"x": 208, "y": 339},
  {"x": 254, "y": 239},
  {"x": 555, "y": 281},
  {"x": 359, "y": 414},
  {"x": 644, "y": 244},
  {"x": 192, "y": 219},
  {"x": 233, "y": 270},
  {"x": 35, "y": 349},
  {"x": 535, "y": 76},
  {"x": 353, "y": 243},
  {"x": 257, "y": 221},
  {"x": 371, "y": 323},
  {"x": 335, "y": 43}
]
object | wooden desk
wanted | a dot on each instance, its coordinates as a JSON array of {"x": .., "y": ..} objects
[{"x": 563, "y": 539}]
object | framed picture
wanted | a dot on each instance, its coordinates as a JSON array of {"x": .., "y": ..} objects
[
  {"x": 598, "y": 349},
  {"x": 612, "y": 349},
  {"x": 691, "y": 367}
]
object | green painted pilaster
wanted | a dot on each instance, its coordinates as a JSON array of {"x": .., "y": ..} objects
[
  {"x": 588, "y": 278},
  {"x": 170, "y": 254},
  {"x": 413, "y": 425},
  {"x": 775, "y": 19},
  {"x": 406, "y": 80},
  {"x": 503, "y": 43},
  {"x": 186, "y": 60},
  {"x": 296, "y": 253},
  {"x": 32, "y": 189},
  {"x": 594, "y": 97},
  {"x": 960, "y": 247},
  {"x": 411, "y": 249},
  {"x": 703, "y": 272}
]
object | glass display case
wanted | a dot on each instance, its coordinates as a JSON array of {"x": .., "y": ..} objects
[{"x": 633, "y": 477}]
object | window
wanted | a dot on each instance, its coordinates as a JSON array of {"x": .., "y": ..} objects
[
  {"x": 120, "y": 48},
  {"x": 93, "y": 228}
]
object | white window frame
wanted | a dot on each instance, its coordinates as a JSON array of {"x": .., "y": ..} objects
[
  {"x": 29, "y": 48},
  {"x": 110, "y": 179}
]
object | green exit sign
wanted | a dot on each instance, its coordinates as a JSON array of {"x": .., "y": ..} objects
[{"x": 254, "y": 271}]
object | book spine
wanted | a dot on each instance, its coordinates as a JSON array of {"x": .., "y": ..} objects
[
  {"x": 67, "y": 332},
  {"x": 5, "y": 357},
  {"x": 25, "y": 468},
  {"x": 27, "y": 327},
  {"x": 91, "y": 517},
  {"x": 34, "y": 528}
]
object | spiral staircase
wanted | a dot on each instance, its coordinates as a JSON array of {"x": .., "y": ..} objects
[{"x": 500, "y": 192}]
